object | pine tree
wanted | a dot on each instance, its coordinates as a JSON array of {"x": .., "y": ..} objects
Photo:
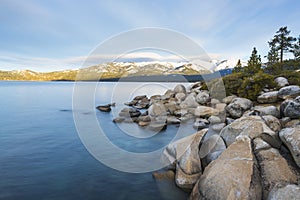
[
  {"x": 296, "y": 49},
  {"x": 283, "y": 41},
  {"x": 254, "y": 63},
  {"x": 273, "y": 53},
  {"x": 238, "y": 67}
]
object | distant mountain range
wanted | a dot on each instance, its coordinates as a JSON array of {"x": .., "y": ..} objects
[{"x": 112, "y": 71}]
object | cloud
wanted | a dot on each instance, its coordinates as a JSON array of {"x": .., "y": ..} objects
[
  {"x": 48, "y": 64},
  {"x": 49, "y": 35}
]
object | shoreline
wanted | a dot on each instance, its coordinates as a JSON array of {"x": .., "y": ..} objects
[
  {"x": 143, "y": 78},
  {"x": 244, "y": 149}
]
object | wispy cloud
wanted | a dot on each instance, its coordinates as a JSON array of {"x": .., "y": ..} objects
[
  {"x": 47, "y": 35},
  {"x": 47, "y": 64}
]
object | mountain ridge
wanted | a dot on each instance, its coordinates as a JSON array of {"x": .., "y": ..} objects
[{"x": 112, "y": 70}]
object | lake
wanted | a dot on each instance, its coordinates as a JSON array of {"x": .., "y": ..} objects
[{"x": 43, "y": 157}]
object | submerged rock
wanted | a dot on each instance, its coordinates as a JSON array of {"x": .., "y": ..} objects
[
  {"x": 142, "y": 123},
  {"x": 201, "y": 124},
  {"x": 129, "y": 112},
  {"x": 144, "y": 118},
  {"x": 104, "y": 108},
  {"x": 164, "y": 175},
  {"x": 118, "y": 119},
  {"x": 185, "y": 181},
  {"x": 157, "y": 127},
  {"x": 173, "y": 120}
]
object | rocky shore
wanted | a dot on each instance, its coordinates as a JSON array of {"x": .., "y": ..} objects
[{"x": 241, "y": 150}]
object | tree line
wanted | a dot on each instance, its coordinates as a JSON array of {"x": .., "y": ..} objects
[{"x": 281, "y": 43}]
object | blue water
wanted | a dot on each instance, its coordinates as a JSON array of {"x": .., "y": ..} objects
[{"x": 42, "y": 157}]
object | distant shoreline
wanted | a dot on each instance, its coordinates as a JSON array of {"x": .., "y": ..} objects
[
  {"x": 160, "y": 78},
  {"x": 134, "y": 78}
]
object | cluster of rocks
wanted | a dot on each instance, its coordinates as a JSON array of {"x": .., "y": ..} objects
[
  {"x": 252, "y": 151},
  {"x": 174, "y": 107},
  {"x": 250, "y": 159},
  {"x": 139, "y": 102},
  {"x": 242, "y": 150}
]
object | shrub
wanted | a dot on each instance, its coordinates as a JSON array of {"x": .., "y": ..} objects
[
  {"x": 281, "y": 67},
  {"x": 204, "y": 85},
  {"x": 233, "y": 82},
  {"x": 292, "y": 76},
  {"x": 252, "y": 86}
]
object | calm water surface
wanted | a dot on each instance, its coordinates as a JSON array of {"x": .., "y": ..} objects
[{"x": 42, "y": 156}]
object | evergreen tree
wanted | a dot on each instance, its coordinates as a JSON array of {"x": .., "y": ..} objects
[
  {"x": 254, "y": 63},
  {"x": 273, "y": 53},
  {"x": 296, "y": 49},
  {"x": 238, "y": 67},
  {"x": 283, "y": 41}
]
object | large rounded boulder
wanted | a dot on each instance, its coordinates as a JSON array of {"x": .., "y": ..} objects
[
  {"x": 284, "y": 192},
  {"x": 184, "y": 154},
  {"x": 233, "y": 175},
  {"x": 203, "y": 97},
  {"x": 291, "y": 108},
  {"x": 281, "y": 81},
  {"x": 238, "y": 106},
  {"x": 268, "y": 97},
  {"x": 180, "y": 89},
  {"x": 291, "y": 138},
  {"x": 289, "y": 92},
  {"x": 253, "y": 127},
  {"x": 157, "y": 109}
]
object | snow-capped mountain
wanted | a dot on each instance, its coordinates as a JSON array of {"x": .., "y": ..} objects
[
  {"x": 227, "y": 63},
  {"x": 147, "y": 68},
  {"x": 122, "y": 69}
]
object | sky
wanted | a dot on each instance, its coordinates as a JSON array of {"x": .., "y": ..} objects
[{"x": 44, "y": 35}]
